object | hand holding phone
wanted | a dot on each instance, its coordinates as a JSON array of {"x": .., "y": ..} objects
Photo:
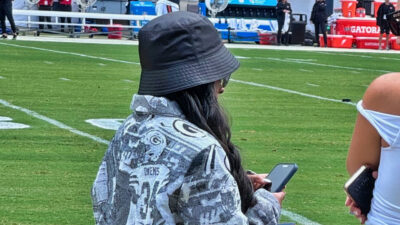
[
  {"x": 359, "y": 188},
  {"x": 280, "y": 176}
]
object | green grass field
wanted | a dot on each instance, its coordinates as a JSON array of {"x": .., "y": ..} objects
[{"x": 47, "y": 172}]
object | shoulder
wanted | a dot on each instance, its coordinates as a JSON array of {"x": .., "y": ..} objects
[{"x": 383, "y": 94}]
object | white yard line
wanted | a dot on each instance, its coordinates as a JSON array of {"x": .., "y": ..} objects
[
  {"x": 291, "y": 91},
  {"x": 70, "y": 53},
  {"x": 257, "y": 69},
  {"x": 241, "y": 57},
  {"x": 128, "y": 81},
  {"x": 301, "y": 60},
  {"x": 314, "y": 85},
  {"x": 64, "y": 79},
  {"x": 53, "y": 122},
  {"x": 362, "y": 56},
  {"x": 307, "y": 71},
  {"x": 320, "y": 64},
  {"x": 1, "y": 77},
  {"x": 298, "y": 218},
  {"x": 48, "y": 62}
]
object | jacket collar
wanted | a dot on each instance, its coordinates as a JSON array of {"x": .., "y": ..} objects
[{"x": 147, "y": 104}]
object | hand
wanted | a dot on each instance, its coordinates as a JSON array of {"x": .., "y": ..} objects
[
  {"x": 280, "y": 196},
  {"x": 258, "y": 180},
  {"x": 354, "y": 208}
]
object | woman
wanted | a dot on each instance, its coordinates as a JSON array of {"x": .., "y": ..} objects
[
  {"x": 319, "y": 17},
  {"x": 172, "y": 160},
  {"x": 282, "y": 8},
  {"x": 6, "y": 11},
  {"x": 376, "y": 143}
]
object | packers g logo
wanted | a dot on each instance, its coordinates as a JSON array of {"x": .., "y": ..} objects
[{"x": 187, "y": 129}]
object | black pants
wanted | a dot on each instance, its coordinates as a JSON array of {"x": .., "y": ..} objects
[
  {"x": 65, "y": 8},
  {"x": 285, "y": 38},
  {"x": 321, "y": 25},
  {"x": 45, "y": 18},
  {"x": 6, "y": 11}
]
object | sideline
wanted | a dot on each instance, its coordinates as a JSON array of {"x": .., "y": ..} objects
[
  {"x": 101, "y": 40},
  {"x": 291, "y": 215}
]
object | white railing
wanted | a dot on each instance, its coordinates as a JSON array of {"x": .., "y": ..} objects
[{"x": 81, "y": 16}]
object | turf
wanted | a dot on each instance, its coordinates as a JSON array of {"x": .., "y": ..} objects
[{"x": 47, "y": 172}]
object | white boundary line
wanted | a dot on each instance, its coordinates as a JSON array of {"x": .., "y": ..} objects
[
  {"x": 362, "y": 56},
  {"x": 291, "y": 91},
  {"x": 70, "y": 53},
  {"x": 63, "y": 39},
  {"x": 319, "y": 64},
  {"x": 53, "y": 122}
]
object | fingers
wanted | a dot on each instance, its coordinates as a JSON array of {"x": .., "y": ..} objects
[
  {"x": 375, "y": 174},
  {"x": 280, "y": 196},
  {"x": 348, "y": 201}
]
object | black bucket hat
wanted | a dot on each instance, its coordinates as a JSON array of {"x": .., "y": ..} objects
[{"x": 181, "y": 50}]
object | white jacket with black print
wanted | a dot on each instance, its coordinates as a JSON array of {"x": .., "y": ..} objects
[{"x": 161, "y": 169}]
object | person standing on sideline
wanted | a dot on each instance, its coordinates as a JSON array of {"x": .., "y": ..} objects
[
  {"x": 382, "y": 21},
  {"x": 166, "y": 6},
  {"x": 282, "y": 9},
  {"x": 45, "y": 5},
  {"x": 318, "y": 18},
  {"x": 65, "y": 6},
  {"x": 6, "y": 11}
]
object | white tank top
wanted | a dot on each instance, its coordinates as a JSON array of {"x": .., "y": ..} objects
[{"x": 385, "y": 205}]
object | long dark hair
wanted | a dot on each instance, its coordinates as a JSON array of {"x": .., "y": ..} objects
[{"x": 200, "y": 107}]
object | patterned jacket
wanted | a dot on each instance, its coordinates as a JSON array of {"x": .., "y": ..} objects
[{"x": 161, "y": 169}]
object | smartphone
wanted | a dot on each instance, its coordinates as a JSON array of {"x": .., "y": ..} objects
[
  {"x": 359, "y": 188},
  {"x": 280, "y": 175}
]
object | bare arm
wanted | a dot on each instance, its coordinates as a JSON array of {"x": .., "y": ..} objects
[{"x": 382, "y": 96}]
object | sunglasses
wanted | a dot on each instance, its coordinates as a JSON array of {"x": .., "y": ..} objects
[{"x": 225, "y": 80}]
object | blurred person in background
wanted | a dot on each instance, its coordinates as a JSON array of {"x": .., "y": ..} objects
[
  {"x": 319, "y": 18},
  {"x": 45, "y": 5},
  {"x": 376, "y": 143},
  {"x": 382, "y": 21},
  {"x": 172, "y": 161},
  {"x": 283, "y": 11},
  {"x": 6, "y": 11},
  {"x": 65, "y": 6}
]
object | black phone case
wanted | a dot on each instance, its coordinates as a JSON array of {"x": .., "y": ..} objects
[
  {"x": 360, "y": 190},
  {"x": 288, "y": 174}
]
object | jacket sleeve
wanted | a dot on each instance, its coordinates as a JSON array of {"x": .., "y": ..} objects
[
  {"x": 379, "y": 16},
  {"x": 312, "y": 18},
  {"x": 104, "y": 187},
  {"x": 279, "y": 9},
  {"x": 209, "y": 194}
]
